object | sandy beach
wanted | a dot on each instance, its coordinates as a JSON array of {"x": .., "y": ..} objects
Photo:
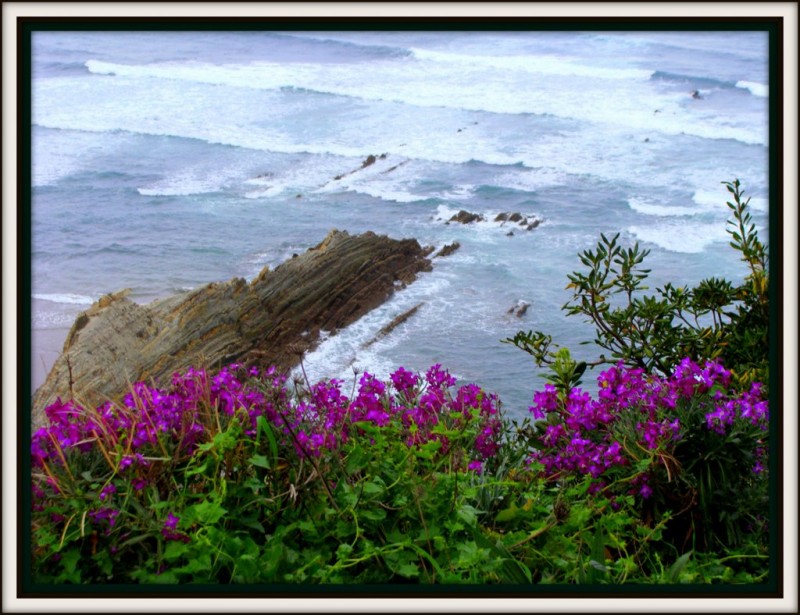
[
  {"x": 51, "y": 324},
  {"x": 46, "y": 346}
]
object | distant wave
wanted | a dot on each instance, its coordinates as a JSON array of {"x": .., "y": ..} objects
[
  {"x": 69, "y": 298},
  {"x": 692, "y": 80},
  {"x": 654, "y": 209},
  {"x": 543, "y": 64},
  {"x": 756, "y": 89},
  {"x": 358, "y": 50},
  {"x": 684, "y": 237}
]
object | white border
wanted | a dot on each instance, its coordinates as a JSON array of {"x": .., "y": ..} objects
[{"x": 12, "y": 10}]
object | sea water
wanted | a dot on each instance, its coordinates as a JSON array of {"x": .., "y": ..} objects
[{"x": 166, "y": 160}]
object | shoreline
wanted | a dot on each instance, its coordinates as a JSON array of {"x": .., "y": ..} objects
[{"x": 46, "y": 346}]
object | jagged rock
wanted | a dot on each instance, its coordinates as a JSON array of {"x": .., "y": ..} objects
[
  {"x": 501, "y": 217},
  {"x": 465, "y": 217},
  {"x": 269, "y": 321},
  {"x": 448, "y": 249},
  {"x": 368, "y": 161},
  {"x": 515, "y": 217}
]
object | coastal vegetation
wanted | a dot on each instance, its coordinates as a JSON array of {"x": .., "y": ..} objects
[{"x": 242, "y": 476}]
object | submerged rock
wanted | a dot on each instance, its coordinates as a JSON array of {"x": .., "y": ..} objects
[
  {"x": 465, "y": 217},
  {"x": 395, "y": 322},
  {"x": 519, "y": 308},
  {"x": 525, "y": 222},
  {"x": 448, "y": 249},
  {"x": 269, "y": 321}
]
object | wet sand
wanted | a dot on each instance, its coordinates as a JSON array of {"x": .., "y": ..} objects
[{"x": 46, "y": 346}]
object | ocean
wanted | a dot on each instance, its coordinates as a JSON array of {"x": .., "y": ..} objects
[{"x": 166, "y": 160}]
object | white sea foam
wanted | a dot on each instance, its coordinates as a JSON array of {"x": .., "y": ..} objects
[
  {"x": 542, "y": 64},
  {"x": 541, "y": 85},
  {"x": 178, "y": 187},
  {"x": 267, "y": 192},
  {"x": 714, "y": 200},
  {"x": 51, "y": 320},
  {"x": 337, "y": 355},
  {"x": 69, "y": 298},
  {"x": 657, "y": 209},
  {"x": 685, "y": 237},
  {"x": 756, "y": 89}
]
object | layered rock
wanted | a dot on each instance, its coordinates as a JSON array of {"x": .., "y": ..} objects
[{"x": 269, "y": 321}]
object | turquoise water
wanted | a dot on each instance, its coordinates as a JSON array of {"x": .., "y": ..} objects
[{"x": 163, "y": 161}]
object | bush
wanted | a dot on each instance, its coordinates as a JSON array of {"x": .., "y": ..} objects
[
  {"x": 235, "y": 479},
  {"x": 693, "y": 452},
  {"x": 714, "y": 320}
]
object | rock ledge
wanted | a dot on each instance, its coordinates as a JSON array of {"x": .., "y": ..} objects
[{"x": 270, "y": 321}]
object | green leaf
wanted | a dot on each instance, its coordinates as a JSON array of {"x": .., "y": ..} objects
[
  {"x": 196, "y": 470},
  {"x": 673, "y": 574},
  {"x": 375, "y": 514},
  {"x": 408, "y": 570},
  {"x": 199, "y": 562},
  {"x": 260, "y": 461},
  {"x": 208, "y": 512},
  {"x": 263, "y": 427},
  {"x": 374, "y": 487},
  {"x": 356, "y": 460},
  {"x": 71, "y": 573},
  {"x": 509, "y": 514},
  {"x": 174, "y": 550}
]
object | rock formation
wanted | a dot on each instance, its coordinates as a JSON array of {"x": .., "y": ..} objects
[
  {"x": 519, "y": 308},
  {"x": 448, "y": 249},
  {"x": 269, "y": 321},
  {"x": 466, "y": 217}
]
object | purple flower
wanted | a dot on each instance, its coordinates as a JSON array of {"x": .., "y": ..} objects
[
  {"x": 104, "y": 514},
  {"x": 404, "y": 381},
  {"x": 438, "y": 377},
  {"x": 476, "y": 466},
  {"x": 107, "y": 491},
  {"x": 171, "y": 522}
]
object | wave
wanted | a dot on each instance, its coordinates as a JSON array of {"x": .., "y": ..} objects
[
  {"x": 541, "y": 64},
  {"x": 69, "y": 298},
  {"x": 656, "y": 209},
  {"x": 338, "y": 49},
  {"x": 692, "y": 81},
  {"x": 337, "y": 355},
  {"x": 683, "y": 237},
  {"x": 756, "y": 89},
  {"x": 436, "y": 80}
]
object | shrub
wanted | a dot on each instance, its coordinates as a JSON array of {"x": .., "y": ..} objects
[
  {"x": 233, "y": 479},
  {"x": 714, "y": 320},
  {"x": 691, "y": 451}
]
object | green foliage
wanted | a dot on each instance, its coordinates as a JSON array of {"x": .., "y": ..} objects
[{"x": 714, "y": 320}]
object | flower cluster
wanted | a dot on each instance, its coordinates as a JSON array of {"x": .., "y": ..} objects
[
  {"x": 638, "y": 416},
  {"x": 328, "y": 418},
  {"x": 152, "y": 423}
]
